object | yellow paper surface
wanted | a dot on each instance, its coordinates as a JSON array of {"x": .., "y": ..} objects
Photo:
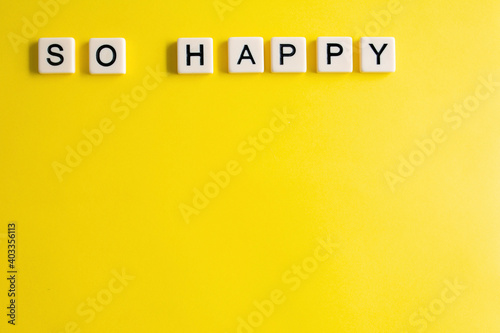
[{"x": 374, "y": 206}]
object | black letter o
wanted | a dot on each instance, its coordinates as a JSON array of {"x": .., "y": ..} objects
[{"x": 98, "y": 55}]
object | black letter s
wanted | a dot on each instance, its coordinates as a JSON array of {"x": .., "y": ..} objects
[{"x": 49, "y": 51}]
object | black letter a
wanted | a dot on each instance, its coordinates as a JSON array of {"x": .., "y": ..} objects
[{"x": 243, "y": 56}]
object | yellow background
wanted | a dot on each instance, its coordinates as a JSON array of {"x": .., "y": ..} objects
[{"x": 323, "y": 176}]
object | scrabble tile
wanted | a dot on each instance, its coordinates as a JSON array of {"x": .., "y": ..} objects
[
  {"x": 246, "y": 55},
  {"x": 56, "y": 55},
  {"x": 107, "y": 56},
  {"x": 195, "y": 56},
  {"x": 288, "y": 55},
  {"x": 377, "y": 54},
  {"x": 334, "y": 54}
]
